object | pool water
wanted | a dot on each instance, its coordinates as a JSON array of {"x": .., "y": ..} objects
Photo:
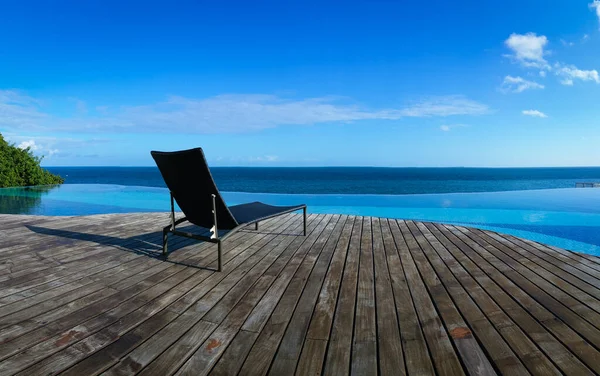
[{"x": 566, "y": 218}]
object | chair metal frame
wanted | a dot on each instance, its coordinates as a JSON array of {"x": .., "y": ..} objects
[{"x": 214, "y": 237}]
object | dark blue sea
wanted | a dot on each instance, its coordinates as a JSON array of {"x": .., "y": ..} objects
[{"x": 349, "y": 180}]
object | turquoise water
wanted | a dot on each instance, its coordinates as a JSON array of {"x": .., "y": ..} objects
[{"x": 567, "y": 218}]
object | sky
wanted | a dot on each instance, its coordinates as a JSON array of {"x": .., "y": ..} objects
[{"x": 304, "y": 83}]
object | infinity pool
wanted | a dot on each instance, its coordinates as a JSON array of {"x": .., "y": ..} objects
[{"x": 566, "y": 218}]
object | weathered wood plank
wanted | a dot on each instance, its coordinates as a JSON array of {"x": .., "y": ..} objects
[
  {"x": 183, "y": 300},
  {"x": 85, "y": 295},
  {"x": 312, "y": 357},
  {"x": 444, "y": 357},
  {"x": 364, "y": 341},
  {"x": 416, "y": 354},
  {"x": 391, "y": 358},
  {"x": 544, "y": 319},
  {"x": 177, "y": 351},
  {"x": 273, "y": 312},
  {"x": 337, "y": 360},
  {"x": 523, "y": 346}
]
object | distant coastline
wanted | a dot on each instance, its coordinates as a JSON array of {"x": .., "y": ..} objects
[{"x": 350, "y": 180}]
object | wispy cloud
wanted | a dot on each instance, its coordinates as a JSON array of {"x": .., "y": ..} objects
[
  {"x": 445, "y": 106},
  {"x": 566, "y": 44},
  {"x": 535, "y": 113},
  {"x": 569, "y": 73},
  {"x": 595, "y": 5},
  {"x": 449, "y": 127},
  {"x": 528, "y": 49},
  {"x": 221, "y": 114},
  {"x": 52, "y": 146},
  {"x": 80, "y": 106},
  {"x": 518, "y": 84},
  {"x": 19, "y": 111},
  {"x": 251, "y": 160}
]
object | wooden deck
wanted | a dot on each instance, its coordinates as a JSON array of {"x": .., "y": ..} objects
[{"x": 360, "y": 295}]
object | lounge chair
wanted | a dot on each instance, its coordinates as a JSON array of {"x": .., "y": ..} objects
[{"x": 191, "y": 185}]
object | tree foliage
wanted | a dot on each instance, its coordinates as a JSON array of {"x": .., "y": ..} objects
[{"x": 19, "y": 167}]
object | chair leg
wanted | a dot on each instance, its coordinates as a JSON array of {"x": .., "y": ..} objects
[
  {"x": 165, "y": 240},
  {"x": 256, "y": 226},
  {"x": 304, "y": 214},
  {"x": 219, "y": 261}
]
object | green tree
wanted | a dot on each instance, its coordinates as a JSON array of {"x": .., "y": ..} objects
[{"x": 19, "y": 167}]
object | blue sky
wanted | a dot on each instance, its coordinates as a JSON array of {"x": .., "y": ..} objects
[{"x": 377, "y": 83}]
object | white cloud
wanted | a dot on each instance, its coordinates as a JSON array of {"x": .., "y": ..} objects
[
  {"x": 528, "y": 49},
  {"x": 518, "y": 84},
  {"x": 264, "y": 158},
  {"x": 567, "y": 82},
  {"x": 566, "y": 44},
  {"x": 449, "y": 127},
  {"x": 595, "y": 5},
  {"x": 535, "y": 113},
  {"x": 569, "y": 73},
  {"x": 28, "y": 144},
  {"x": 445, "y": 106},
  {"x": 221, "y": 114},
  {"x": 50, "y": 146}
]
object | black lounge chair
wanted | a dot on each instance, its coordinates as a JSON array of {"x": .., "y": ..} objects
[{"x": 190, "y": 183}]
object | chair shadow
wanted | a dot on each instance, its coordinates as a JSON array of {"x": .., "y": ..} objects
[{"x": 142, "y": 244}]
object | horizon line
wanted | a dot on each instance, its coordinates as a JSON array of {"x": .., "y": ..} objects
[{"x": 345, "y": 166}]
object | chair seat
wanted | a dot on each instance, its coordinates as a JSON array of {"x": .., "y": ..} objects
[{"x": 253, "y": 211}]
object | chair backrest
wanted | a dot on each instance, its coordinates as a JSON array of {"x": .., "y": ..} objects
[{"x": 188, "y": 177}]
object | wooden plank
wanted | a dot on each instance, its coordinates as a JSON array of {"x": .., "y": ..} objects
[
  {"x": 291, "y": 344},
  {"x": 233, "y": 357},
  {"x": 272, "y": 313},
  {"x": 84, "y": 294},
  {"x": 338, "y": 356},
  {"x": 416, "y": 354},
  {"x": 549, "y": 279},
  {"x": 472, "y": 355},
  {"x": 584, "y": 328},
  {"x": 564, "y": 260},
  {"x": 391, "y": 358},
  {"x": 549, "y": 271},
  {"x": 364, "y": 341},
  {"x": 517, "y": 339},
  {"x": 206, "y": 356},
  {"x": 544, "y": 319},
  {"x": 442, "y": 352},
  {"x": 171, "y": 329},
  {"x": 315, "y": 346},
  {"x": 148, "y": 353},
  {"x": 500, "y": 352},
  {"x": 93, "y": 338},
  {"x": 49, "y": 317},
  {"x": 48, "y": 346}
]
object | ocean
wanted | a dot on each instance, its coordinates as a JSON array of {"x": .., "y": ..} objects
[{"x": 349, "y": 180}]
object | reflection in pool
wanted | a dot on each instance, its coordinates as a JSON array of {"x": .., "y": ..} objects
[
  {"x": 25, "y": 200},
  {"x": 567, "y": 218}
]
